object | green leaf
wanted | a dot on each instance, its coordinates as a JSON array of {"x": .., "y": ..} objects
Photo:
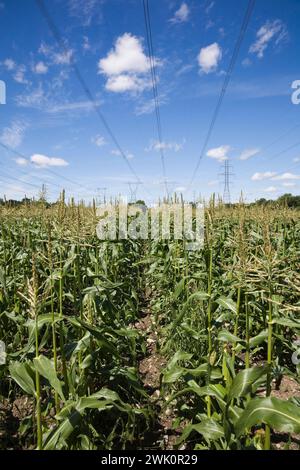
[
  {"x": 286, "y": 322},
  {"x": 244, "y": 380},
  {"x": 227, "y": 303},
  {"x": 22, "y": 374},
  {"x": 258, "y": 339},
  {"x": 208, "y": 428},
  {"x": 72, "y": 414},
  {"x": 173, "y": 371},
  {"x": 196, "y": 296},
  {"x": 228, "y": 337},
  {"x": 46, "y": 368},
  {"x": 283, "y": 416}
]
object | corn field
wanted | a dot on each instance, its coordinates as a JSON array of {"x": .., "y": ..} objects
[{"x": 141, "y": 344}]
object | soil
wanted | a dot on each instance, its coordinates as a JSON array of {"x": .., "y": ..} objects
[
  {"x": 11, "y": 415},
  {"x": 150, "y": 370}
]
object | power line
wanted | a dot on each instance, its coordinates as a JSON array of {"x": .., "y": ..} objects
[
  {"x": 19, "y": 180},
  {"x": 154, "y": 86},
  {"x": 57, "y": 36},
  {"x": 233, "y": 60},
  {"x": 278, "y": 139},
  {"x": 284, "y": 150},
  {"x": 19, "y": 154}
]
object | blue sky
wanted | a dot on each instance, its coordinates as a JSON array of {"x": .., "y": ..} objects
[{"x": 49, "y": 121}]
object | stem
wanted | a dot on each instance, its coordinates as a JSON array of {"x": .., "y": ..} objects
[
  {"x": 236, "y": 325},
  {"x": 209, "y": 290},
  {"x": 269, "y": 360},
  {"x": 38, "y": 390},
  {"x": 247, "y": 357},
  {"x": 61, "y": 336}
]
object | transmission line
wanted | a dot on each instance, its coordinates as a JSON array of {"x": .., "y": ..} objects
[
  {"x": 154, "y": 87},
  {"x": 233, "y": 60},
  {"x": 57, "y": 36},
  {"x": 69, "y": 180}
]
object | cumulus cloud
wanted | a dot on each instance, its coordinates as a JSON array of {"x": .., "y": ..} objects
[
  {"x": 125, "y": 65},
  {"x": 271, "y": 31},
  {"x": 263, "y": 176},
  {"x": 181, "y": 15},
  {"x": 42, "y": 161},
  {"x": 288, "y": 184},
  {"x": 40, "y": 68},
  {"x": 209, "y": 58},
  {"x": 21, "y": 161},
  {"x": 286, "y": 176},
  {"x": 248, "y": 153},
  {"x": 12, "y": 136},
  {"x": 270, "y": 189},
  {"x": 219, "y": 153},
  {"x": 9, "y": 64},
  {"x": 122, "y": 83}
]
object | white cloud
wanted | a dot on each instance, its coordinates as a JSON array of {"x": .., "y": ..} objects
[
  {"x": 86, "y": 43},
  {"x": 13, "y": 136},
  {"x": 98, "y": 140},
  {"x": 219, "y": 153},
  {"x": 296, "y": 159},
  {"x": 248, "y": 153},
  {"x": 180, "y": 189},
  {"x": 122, "y": 83},
  {"x": 157, "y": 146},
  {"x": 286, "y": 176},
  {"x": 85, "y": 10},
  {"x": 181, "y": 15},
  {"x": 43, "y": 161},
  {"x": 21, "y": 161},
  {"x": 209, "y": 57},
  {"x": 40, "y": 68},
  {"x": 127, "y": 56},
  {"x": 270, "y": 189},
  {"x": 125, "y": 65},
  {"x": 63, "y": 58},
  {"x": 73, "y": 106},
  {"x": 263, "y": 176},
  {"x": 148, "y": 106},
  {"x": 288, "y": 184},
  {"x": 57, "y": 58},
  {"x": 18, "y": 70},
  {"x": 9, "y": 64},
  {"x": 34, "y": 99},
  {"x": 271, "y": 30},
  {"x": 19, "y": 75}
]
